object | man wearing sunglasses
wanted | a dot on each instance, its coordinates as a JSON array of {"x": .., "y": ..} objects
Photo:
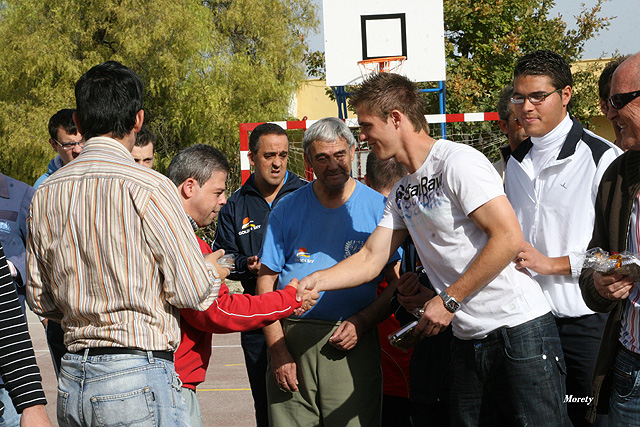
[
  {"x": 551, "y": 180},
  {"x": 604, "y": 86},
  {"x": 617, "y": 221},
  {"x": 65, "y": 140}
]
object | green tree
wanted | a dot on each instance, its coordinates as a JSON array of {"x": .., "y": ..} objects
[
  {"x": 206, "y": 66},
  {"x": 485, "y": 38}
]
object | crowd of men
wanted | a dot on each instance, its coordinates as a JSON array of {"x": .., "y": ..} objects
[{"x": 489, "y": 258}]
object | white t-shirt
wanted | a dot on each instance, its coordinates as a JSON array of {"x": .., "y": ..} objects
[{"x": 433, "y": 203}]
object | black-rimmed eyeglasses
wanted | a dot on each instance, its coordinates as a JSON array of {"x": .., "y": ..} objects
[
  {"x": 619, "y": 100},
  {"x": 534, "y": 98},
  {"x": 70, "y": 145}
]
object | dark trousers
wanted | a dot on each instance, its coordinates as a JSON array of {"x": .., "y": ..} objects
[
  {"x": 513, "y": 377},
  {"x": 580, "y": 338},
  {"x": 430, "y": 378},
  {"x": 396, "y": 411},
  {"x": 55, "y": 339},
  {"x": 254, "y": 348}
]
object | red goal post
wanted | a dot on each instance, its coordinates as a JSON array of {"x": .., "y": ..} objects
[{"x": 295, "y": 129}]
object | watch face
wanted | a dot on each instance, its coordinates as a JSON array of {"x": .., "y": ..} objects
[{"x": 450, "y": 303}]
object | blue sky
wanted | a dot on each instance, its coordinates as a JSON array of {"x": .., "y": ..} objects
[{"x": 623, "y": 34}]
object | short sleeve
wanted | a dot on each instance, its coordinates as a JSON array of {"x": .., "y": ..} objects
[
  {"x": 471, "y": 179},
  {"x": 391, "y": 218},
  {"x": 272, "y": 253}
]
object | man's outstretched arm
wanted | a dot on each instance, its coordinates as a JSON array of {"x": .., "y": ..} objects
[{"x": 359, "y": 268}]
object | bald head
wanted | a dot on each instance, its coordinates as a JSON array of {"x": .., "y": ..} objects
[
  {"x": 627, "y": 73},
  {"x": 625, "y": 80}
]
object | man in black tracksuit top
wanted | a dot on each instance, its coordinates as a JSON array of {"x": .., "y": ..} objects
[{"x": 241, "y": 226}]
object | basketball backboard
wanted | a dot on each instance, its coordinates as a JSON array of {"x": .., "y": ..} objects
[{"x": 355, "y": 30}]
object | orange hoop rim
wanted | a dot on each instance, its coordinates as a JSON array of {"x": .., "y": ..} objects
[{"x": 383, "y": 59}]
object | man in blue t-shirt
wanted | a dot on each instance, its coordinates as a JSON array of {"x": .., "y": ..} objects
[{"x": 330, "y": 356}]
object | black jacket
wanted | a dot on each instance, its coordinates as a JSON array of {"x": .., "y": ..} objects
[{"x": 242, "y": 223}]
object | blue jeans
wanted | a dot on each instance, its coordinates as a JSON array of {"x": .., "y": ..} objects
[
  {"x": 9, "y": 418},
  {"x": 624, "y": 405},
  {"x": 513, "y": 377},
  {"x": 119, "y": 390}
]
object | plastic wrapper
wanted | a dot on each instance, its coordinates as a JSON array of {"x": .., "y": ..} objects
[
  {"x": 227, "y": 261},
  {"x": 403, "y": 338},
  {"x": 625, "y": 263}
]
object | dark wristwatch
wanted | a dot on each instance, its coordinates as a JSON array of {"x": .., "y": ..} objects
[{"x": 450, "y": 303}]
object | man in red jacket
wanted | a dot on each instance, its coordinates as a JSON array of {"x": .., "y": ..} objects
[{"x": 200, "y": 172}]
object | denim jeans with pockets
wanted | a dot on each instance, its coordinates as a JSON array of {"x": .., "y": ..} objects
[
  {"x": 119, "y": 390},
  {"x": 513, "y": 377},
  {"x": 624, "y": 405}
]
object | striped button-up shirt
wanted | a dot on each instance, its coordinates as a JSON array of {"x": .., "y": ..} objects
[{"x": 111, "y": 254}]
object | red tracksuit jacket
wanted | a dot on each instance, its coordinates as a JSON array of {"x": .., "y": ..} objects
[{"x": 228, "y": 313}]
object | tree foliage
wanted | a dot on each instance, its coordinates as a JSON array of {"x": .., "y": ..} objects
[
  {"x": 206, "y": 66},
  {"x": 485, "y": 38}
]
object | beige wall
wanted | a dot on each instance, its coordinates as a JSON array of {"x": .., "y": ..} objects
[
  {"x": 599, "y": 124},
  {"x": 312, "y": 101}
]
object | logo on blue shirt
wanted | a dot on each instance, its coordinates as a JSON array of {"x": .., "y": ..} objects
[
  {"x": 5, "y": 227},
  {"x": 352, "y": 247},
  {"x": 303, "y": 256}
]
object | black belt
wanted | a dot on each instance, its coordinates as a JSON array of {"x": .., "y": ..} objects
[
  {"x": 625, "y": 350},
  {"x": 99, "y": 351}
]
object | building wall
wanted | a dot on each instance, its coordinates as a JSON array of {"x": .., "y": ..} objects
[{"x": 312, "y": 101}]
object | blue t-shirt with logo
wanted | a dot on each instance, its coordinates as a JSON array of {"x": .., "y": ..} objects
[{"x": 303, "y": 236}]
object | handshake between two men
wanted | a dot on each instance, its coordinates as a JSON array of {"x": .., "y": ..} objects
[{"x": 306, "y": 298}]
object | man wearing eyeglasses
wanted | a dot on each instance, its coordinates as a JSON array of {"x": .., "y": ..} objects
[
  {"x": 65, "y": 140},
  {"x": 551, "y": 180},
  {"x": 617, "y": 221}
]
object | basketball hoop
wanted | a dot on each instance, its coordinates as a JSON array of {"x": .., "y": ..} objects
[{"x": 387, "y": 64}]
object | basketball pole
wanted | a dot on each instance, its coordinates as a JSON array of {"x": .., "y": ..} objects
[{"x": 341, "y": 99}]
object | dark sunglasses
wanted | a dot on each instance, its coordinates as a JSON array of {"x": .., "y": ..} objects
[{"x": 619, "y": 100}]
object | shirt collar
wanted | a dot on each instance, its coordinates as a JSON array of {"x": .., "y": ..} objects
[
  {"x": 568, "y": 147},
  {"x": 193, "y": 223},
  {"x": 107, "y": 146}
]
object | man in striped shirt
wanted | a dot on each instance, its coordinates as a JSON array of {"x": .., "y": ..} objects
[{"x": 112, "y": 256}]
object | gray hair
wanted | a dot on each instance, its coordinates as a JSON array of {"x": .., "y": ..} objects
[
  {"x": 329, "y": 129},
  {"x": 199, "y": 162}
]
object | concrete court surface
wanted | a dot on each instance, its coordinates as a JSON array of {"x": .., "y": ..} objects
[{"x": 225, "y": 397}]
